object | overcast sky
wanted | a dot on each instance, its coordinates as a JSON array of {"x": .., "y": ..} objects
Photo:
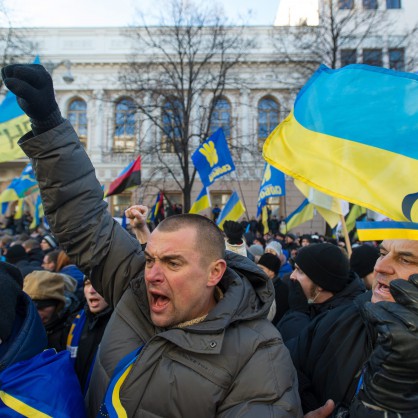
[{"x": 53, "y": 13}]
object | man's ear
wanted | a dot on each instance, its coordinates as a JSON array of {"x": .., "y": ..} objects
[{"x": 217, "y": 270}]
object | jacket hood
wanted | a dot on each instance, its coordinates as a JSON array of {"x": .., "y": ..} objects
[
  {"x": 28, "y": 338},
  {"x": 248, "y": 295}
]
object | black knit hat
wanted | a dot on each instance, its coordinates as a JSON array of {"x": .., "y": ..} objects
[
  {"x": 325, "y": 264},
  {"x": 363, "y": 259},
  {"x": 271, "y": 262},
  {"x": 16, "y": 253},
  {"x": 10, "y": 276}
]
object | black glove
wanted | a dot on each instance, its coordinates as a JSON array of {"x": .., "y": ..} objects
[
  {"x": 32, "y": 85},
  {"x": 234, "y": 232},
  {"x": 297, "y": 299},
  {"x": 391, "y": 374}
]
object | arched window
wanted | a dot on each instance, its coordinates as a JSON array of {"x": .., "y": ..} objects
[
  {"x": 125, "y": 126},
  {"x": 77, "y": 115},
  {"x": 221, "y": 117},
  {"x": 172, "y": 115},
  {"x": 268, "y": 118}
]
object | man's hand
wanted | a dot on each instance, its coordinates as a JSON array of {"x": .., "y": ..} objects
[
  {"x": 32, "y": 85},
  {"x": 137, "y": 216},
  {"x": 391, "y": 375},
  {"x": 322, "y": 412}
]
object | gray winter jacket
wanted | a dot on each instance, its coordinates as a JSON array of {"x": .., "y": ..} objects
[{"x": 233, "y": 364}]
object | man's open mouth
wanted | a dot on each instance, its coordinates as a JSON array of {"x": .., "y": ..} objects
[{"x": 158, "y": 301}]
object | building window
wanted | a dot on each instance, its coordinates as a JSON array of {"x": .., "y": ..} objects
[
  {"x": 268, "y": 119},
  {"x": 172, "y": 115},
  {"x": 221, "y": 117},
  {"x": 372, "y": 57},
  {"x": 125, "y": 124},
  {"x": 346, "y": 4},
  {"x": 348, "y": 56},
  {"x": 119, "y": 203},
  {"x": 370, "y": 4},
  {"x": 397, "y": 59},
  {"x": 77, "y": 115},
  {"x": 393, "y": 4}
]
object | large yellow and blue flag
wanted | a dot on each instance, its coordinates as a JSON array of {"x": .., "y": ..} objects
[
  {"x": 272, "y": 185},
  {"x": 213, "y": 159},
  {"x": 232, "y": 211},
  {"x": 202, "y": 201},
  {"x": 352, "y": 134},
  {"x": 303, "y": 213},
  {"x": 381, "y": 230},
  {"x": 20, "y": 187}
]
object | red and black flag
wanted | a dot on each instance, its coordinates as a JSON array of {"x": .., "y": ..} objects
[{"x": 129, "y": 177}]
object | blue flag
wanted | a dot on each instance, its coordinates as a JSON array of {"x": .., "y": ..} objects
[
  {"x": 44, "y": 385},
  {"x": 272, "y": 185},
  {"x": 212, "y": 159}
]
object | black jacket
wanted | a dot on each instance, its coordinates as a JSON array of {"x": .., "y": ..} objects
[
  {"x": 330, "y": 353},
  {"x": 293, "y": 321},
  {"x": 91, "y": 336}
]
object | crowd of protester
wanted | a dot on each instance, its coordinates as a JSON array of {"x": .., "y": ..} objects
[{"x": 187, "y": 320}]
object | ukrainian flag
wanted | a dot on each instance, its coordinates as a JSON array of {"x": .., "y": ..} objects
[
  {"x": 303, "y": 213},
  {"x": 232, "y": 211},
  {"x": 379, "y": 231},
  {"x": 202, "y": 202},
  {"x": 352, "y": 134}
]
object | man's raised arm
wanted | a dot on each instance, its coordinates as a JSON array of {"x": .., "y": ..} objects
[{"x": 71, "y": 194}]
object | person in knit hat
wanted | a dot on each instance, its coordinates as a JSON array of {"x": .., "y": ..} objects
[
  {"x": 48, "y": 243},
  {"x": 270, "y": 264},
  {"x": 47, "y": 290},
  {"x": 362, "y": 261},
  {"x": 17, "y": 256},
  {"x": 320, "y": 282}
]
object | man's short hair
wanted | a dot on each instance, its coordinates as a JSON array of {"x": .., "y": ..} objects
[
  {"x": 31, "y": 243},
  {"x": 210, "y": 238}
]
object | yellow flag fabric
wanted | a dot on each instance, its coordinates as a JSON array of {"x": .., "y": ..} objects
[
  {"x": 303, "y": 213},
  {"x": 265, "y": 218}
]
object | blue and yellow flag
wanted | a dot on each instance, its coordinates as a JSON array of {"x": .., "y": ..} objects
[
  {"x": 272, "y": 185},
  {"x": 379, "y": 231},
  {"x": 202, "y": 201},
  {"x": 212, "y": 159},
  {"x": 20, "y": 187},
  {"x": 352, "y": 134},
  {"x": 232, "y": 211},
  {"x": 303, "y": 213}
]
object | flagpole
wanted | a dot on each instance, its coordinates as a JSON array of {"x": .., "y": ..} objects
[
  {"x": 242, "y": 195},
  {"x": 346, "y": 237}
]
